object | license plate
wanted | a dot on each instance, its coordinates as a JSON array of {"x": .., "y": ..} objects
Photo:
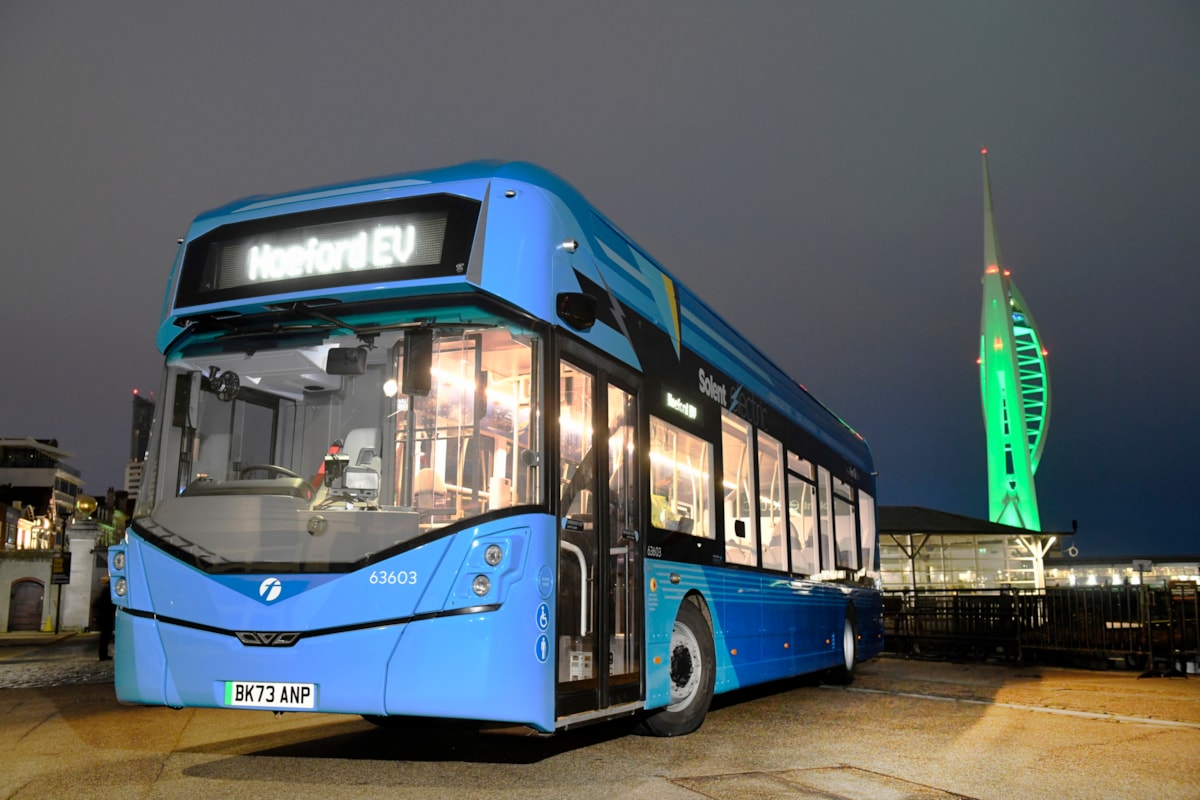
[{"x": 255, "y": 694}]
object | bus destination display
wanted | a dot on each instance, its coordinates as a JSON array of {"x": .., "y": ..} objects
[
  {"x": 371, "y": 243},
  {"x": 381, "y": 243}
]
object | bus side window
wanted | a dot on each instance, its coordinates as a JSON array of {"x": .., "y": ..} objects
[
  {"x": 802, "y": 515},
  {"x": 825, "y": 513},
  {"x": 737, "y": 482},
  {"x": 772, "y": 523},
  {"x": 680, "y": 484},
  {"x": 867, "y": 532}
]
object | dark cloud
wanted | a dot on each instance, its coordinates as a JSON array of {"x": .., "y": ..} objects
[{"x": 812, "y": 171}]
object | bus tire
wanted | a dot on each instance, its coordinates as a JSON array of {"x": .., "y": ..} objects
[
  {"x": 693, "y": 676},
  {"x": 843, "y": 674}
]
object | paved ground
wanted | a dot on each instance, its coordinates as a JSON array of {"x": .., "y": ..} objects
[
  {"x": 47, "y": 659},
  {"x": 905, "y": 729}
]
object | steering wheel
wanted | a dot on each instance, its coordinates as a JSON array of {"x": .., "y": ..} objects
[{"x": 270, "y": 469}]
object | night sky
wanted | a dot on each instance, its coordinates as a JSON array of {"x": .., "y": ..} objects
[{"x": 811, "y": 170}]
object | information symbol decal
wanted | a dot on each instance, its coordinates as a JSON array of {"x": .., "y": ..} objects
[
  {"x": 543, "y": 617},
  {"x": 542, "y": 649}
]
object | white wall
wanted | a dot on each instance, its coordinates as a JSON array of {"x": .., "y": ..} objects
[{"x": 14, "y": 567}]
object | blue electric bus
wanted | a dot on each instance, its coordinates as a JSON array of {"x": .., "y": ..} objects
[{"x": 450, "y": 444}]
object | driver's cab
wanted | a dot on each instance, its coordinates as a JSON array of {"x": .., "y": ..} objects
[{"x": 428, "y": 428}]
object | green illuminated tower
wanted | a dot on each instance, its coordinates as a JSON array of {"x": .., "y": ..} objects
[{"x": 1014, "y": 385}]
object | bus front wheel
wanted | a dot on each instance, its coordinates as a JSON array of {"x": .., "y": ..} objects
[{"x": 693, "y": 676}]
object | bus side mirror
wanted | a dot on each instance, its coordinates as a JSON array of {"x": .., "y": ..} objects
[{"x": 418, "y": 361}]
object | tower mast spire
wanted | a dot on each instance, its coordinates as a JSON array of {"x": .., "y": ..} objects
[{"x": 1014, "y": 385}]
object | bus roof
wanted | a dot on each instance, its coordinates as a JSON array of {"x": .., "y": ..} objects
[{"x": 472, "y": 179}]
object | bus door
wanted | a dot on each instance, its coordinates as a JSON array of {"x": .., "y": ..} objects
[{"x": 599, "y": 613}]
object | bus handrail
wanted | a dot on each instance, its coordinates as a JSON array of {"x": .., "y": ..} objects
[{"x": 583, "y": 596}]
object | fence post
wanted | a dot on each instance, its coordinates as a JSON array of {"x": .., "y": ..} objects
[{"x": 1170, "y": 671}]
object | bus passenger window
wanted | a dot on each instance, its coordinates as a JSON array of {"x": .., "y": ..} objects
[
  {"x": 866, "y": 526},
  {"x": 680, "y": 488},
  {"x": 771, "y": 520},
  {"x": 802, "y": 515},
  {"x": 737, "y": 487},
  {"x": 825, "y": 508},
  {"x": 845, "y": 526}
]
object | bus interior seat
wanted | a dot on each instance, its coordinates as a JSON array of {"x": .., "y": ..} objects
[
  {"x": 738, "y": 551},
  {"x": 429, "y": 489},
  {"x": 470, "y": 477},
  {"x": 743, "y": 549},
  {"x": 774, "y": 544},
  {"x": 471, "y": 464},
  {"x": 358, "y": 479},
  {"x": 738, "y": 554},
  {"x": 362, "y": 447},
  {"x": 803, "y": 547}
]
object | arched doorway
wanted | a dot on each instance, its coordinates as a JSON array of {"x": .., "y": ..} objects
[{"x": 25, "y": 604}]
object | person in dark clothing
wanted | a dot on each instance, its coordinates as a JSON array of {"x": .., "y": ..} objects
[{"x": 106, "y": 618}]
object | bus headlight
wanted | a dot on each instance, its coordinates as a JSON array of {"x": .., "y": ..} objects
[
  {"x": 120, "y": 587},
  {"x": 481, "y": 585},
  {"x": 118, "y": 561},
  {"x": 493, "y": 554}
]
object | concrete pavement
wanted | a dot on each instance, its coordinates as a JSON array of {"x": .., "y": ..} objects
[
  {"x": 29, "y": 660},
  {"x": 905, "y": 729}
]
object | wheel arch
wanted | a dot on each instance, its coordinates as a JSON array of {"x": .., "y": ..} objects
[
  {"x": 697, "y": 598},
  {"x": 691, "y": 663}
]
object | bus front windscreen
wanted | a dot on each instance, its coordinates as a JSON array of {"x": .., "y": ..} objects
[{"x": 321, "y": 455}]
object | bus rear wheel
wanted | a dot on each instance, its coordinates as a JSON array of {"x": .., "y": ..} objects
[
  {"x": 843, "y": 675},
  {"x": 693, "y": 676}
]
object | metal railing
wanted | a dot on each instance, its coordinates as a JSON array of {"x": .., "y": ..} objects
[{"x": 1137, "y": 626}]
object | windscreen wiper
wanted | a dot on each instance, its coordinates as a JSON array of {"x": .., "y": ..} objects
[
  {"x": 314, "y": 309},
  {"x": 273, "y": 320}
]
